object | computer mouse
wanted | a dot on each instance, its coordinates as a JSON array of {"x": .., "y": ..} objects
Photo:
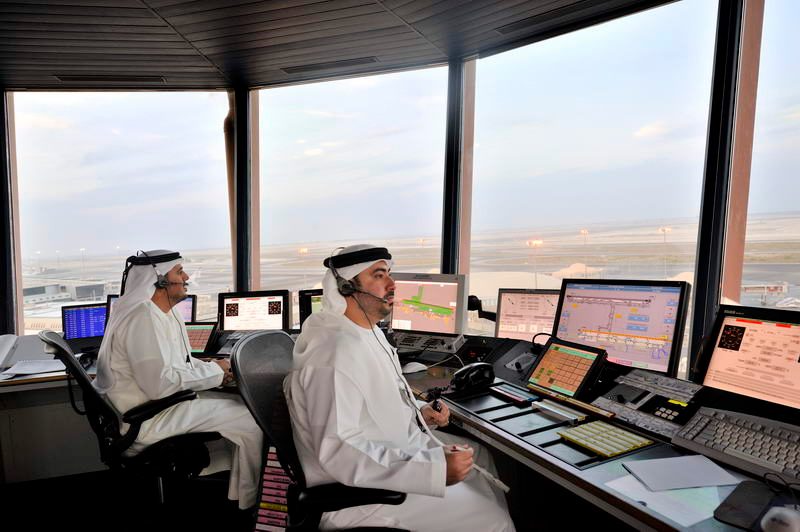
[
  {"x": 413, "y": 367},
  {"x": 781, "y": 519}
]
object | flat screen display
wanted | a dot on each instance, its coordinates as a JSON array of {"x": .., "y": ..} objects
[
  {"x": 83, "y": 321},
  {"x": 639, "y": 323},
  {"x": 254, "y": 311},
  {"x": 523, "y": 313}
]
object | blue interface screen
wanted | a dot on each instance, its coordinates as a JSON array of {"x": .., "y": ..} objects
[{"x": 84, "y": 322}]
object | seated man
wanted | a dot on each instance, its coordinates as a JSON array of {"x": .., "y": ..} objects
[
  {"x": 356, "y": 422},
  {"x": 145, "y": 355}
]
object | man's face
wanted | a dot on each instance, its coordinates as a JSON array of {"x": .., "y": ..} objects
[
  {"x": 176, "y": 290},
  {"x": 377, "y": 281}
]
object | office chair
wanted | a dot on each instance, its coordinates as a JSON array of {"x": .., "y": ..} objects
[
  {"x": 260, "y": 362},
  {"x": 178, "y": 457}
]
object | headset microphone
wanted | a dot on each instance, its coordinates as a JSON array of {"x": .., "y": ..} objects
[{"x": 383, "y": 299}]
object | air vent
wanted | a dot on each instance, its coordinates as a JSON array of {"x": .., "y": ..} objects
[
  {"x": 541, "y": 18},
  {"x": 110, "y": 79},
  {"x": 330, "y": 65}
]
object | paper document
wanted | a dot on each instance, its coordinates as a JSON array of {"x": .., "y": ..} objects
[
  {"x": 678, "y": 472},
  {"x": 686, "y": 507},
  {"x": 32, "y": 367}
]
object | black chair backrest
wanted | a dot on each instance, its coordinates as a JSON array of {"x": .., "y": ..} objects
[
  {"x": 103, "y": 417},
  {"x": 260, "y": 361}
]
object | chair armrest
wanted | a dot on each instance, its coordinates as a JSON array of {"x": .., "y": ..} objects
[
  {"x": 139, "y": 414},
  {"x": 332, "y": 497}
]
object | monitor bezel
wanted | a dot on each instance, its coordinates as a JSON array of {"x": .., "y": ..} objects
[
  {"x": 524, "y": 291},
  {"x": 461, "y": 295},
  {"x": 304, "y": 302},
  {"x": 193, "y": 297},
  {"x": 287, "y": 305},
  {"x": 591, "y": 375},
  {"x": 211, "y": 336},
  {"x": 64, "y": 309},
  {"x": 716, "y": 398},
  {"x": 683, "y": 305}
]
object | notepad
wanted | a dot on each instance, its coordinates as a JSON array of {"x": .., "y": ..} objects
[{"x": 694, "y": 471}]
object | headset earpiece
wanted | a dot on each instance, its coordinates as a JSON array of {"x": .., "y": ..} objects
[
  {"x": 346, "y": 288},
  {"x": 161, "y": 280}
]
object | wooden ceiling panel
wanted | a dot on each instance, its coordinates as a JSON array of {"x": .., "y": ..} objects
[
  {"x": 180, "y": 44},
  {"x": 255, "y": 12},
  {"x": 330, "y": 46}
]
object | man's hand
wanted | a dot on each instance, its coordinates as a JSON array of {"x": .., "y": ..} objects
[
  {"x": 432, "y": 417},
  {"x": 226, "y": 367},
  {"x": 459, "y": 463}
]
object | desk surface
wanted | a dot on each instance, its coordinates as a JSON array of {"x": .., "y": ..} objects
[{"x": 588, "y": 483}]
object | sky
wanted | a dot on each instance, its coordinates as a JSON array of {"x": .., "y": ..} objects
[{"x": 607, "y": 124}]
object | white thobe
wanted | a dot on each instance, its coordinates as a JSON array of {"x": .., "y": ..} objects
[
  {"x": 354, "y": 422},
  {"x": 149, "y": 359}
]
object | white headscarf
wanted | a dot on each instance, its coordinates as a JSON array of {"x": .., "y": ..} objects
[
  {"x": 139, "y": 286},
  {"x": 332, "y": 300}
]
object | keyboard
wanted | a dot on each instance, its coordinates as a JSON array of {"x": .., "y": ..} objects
[
  {"x": 753, "y": 444},
  {"x": 604, "y": 439}
]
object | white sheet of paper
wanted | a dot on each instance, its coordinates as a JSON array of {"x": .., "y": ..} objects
[
  {"x": 32, "y": 367},
  {"x": 678, "y": 472},
  {"x": 686, "y": 506}
]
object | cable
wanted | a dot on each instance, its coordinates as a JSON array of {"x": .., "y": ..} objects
[
  {"x": 171, "y": 308},
  {"x": 417, "y": 412},
  {"x": 421, "y": 419},
  {"x": 448, "y": 358},
  {"x": 533, "y": 340}
]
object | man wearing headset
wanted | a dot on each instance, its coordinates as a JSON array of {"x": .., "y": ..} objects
[
  {"x": 355, "y": 421},
  {"x": 145, "y": 355}
]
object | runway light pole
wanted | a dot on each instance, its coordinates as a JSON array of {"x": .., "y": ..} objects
[
  {"x": 664, "y": 230},
  {"x": 585, "y": 234},
  {"x": 533, "y": 245}
]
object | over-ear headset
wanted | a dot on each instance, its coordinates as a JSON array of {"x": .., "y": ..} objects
[
  {"x": 348, "y": 287},
  {"x": 142, "y": 258},
  {"x": 345, "y": 287}
]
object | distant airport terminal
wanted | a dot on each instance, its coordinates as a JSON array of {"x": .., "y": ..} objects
[{"x": 514, "y": 258}]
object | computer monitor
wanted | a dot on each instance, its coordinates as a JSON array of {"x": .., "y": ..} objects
[
  {"x": 522, "y": 313},
  {"x": 753, "y": 353},
  {"x": 309, "y": 301},
  {"x": 200, "y": 332},
  {"x": 639, "y": 323},
  {"x": 265, "y": 310},
  {"x": 83, "y": 321},
  {"x": 428, "y": 302},
  {"x": 186, "y": 308}
]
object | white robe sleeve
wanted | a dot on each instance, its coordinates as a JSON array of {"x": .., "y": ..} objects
[
  {"x": 335, "y": 405},
  {"x": 159, "y": 370}
]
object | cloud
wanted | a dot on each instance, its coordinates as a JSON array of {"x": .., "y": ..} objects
[
  {"x": 367, "y": 82},
  {"x": 300, "y": 141},
  {"x": 328, "y": 114},
  {"x": 40, "y": 121},
  {"x": 792, "y": 113},
  {"x": 313, "y": 152},
  {"x": 330, "y": 144},
  {"x": 656, "y": 129}
]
